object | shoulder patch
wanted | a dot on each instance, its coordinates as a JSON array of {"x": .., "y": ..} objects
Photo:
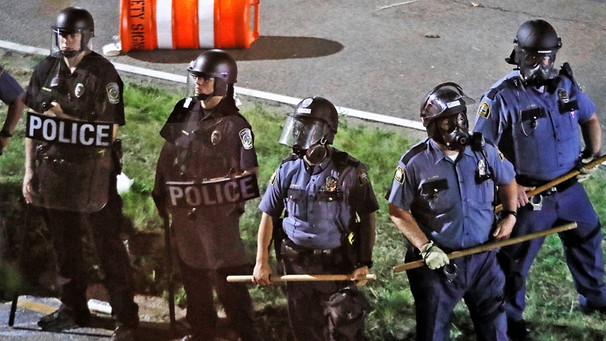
[
  {"x": 363, "y": 177},
  {"x": 484, "y": 110},
  {"x": 399, "y": 176},
  {"x": 272, "y": 180},
  {"x": 246, "y": 138},
  {"x": 501, "y": 156},
  {"x": 113, "y": 92}
]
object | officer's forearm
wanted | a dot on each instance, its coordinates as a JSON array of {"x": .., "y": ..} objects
[
  {"x": 406, "y": 223},
  {"x": 264, "y": 237},
  {"x": 30, "y": 153},
  {"x": 592, "y": 136},
  {"x": 367, "y": 237},
  {"x": 508, "y": 195},
  {"x": 13, "y": 114}
]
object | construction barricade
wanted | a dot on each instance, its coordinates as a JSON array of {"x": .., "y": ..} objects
[{"x": 188, "y": 24}]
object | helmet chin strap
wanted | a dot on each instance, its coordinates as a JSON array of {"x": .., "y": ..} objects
[{"x": 202, "y": 97}]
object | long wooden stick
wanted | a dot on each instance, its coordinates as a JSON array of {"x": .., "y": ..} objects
[
  {"x": 488, "y": 247},
  {"x": 297, "y": 278},
  {"x": 169, "y": 275},
  {"x": 594, "y": 163}
]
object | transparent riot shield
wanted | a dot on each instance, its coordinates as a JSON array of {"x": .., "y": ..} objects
[
  {"x": 201, "y": 163},
  {"x": 190, "y": 194},
  {"x": 72, "y": 163}
]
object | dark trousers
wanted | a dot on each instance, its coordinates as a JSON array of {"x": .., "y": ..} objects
[
  {"x": 478, "y": 279},
  {"x": 306, "y": 300},
  {"x": 582, "y": 245},
  {"x": 234, "y": 297},
  {"x": 81, "y": 239}
]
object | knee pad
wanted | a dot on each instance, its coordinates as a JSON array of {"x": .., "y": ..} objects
[{"x": 488, "y": 310}]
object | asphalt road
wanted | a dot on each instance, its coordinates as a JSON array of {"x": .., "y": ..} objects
[{"x": 377, "y": 56}]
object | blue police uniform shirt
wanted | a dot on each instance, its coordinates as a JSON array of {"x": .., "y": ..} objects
[
  {"x": 9, "y": 87},
  {"x": 536, "y": 129},
  {"x": 442, "y": 195},
  {"x": 319, "y": 203}
]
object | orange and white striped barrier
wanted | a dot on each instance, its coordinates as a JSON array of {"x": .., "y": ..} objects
[{"x": 188, "y": 24}]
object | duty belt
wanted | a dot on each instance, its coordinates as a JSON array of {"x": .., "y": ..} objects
[
  {"x": 537, "y": 200},
  {"x": 299, "y": 254}
]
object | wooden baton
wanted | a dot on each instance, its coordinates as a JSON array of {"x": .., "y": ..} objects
[
  {"x": 490, "y": 246},
  {"x": 594, "y": 163},
  {"x": 298, "y": 278}
]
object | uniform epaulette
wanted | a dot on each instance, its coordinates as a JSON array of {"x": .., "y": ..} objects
[
  {"x": 414, "y": 150},
  {"x": 188, "y": 103},
  {"x": 492, "y": 92},
  {"x": 291, "y": 157},
  {"x": 343, "y": 159}
]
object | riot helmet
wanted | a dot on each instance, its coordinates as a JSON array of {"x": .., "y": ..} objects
[
  {"x": 310, "y": 128},
  {"x": 444, "y": 115},
  {"x": 216, "y": 64},
  {"x": 70, "y": 21},
  {"x": 534, "y": 52}
]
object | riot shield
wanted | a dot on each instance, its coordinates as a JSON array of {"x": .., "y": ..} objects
[
  {"x": 189, "y": 194},
  {"x": 72, "y": 163}
]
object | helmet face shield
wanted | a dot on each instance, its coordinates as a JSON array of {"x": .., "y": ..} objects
[
  {"x": 302, "y": 133},
  {"x": 444, "y": 115},
  {"x": 69, "y": 44},
  {"x": 72, "y": 32},
  {"x": 537, "y": 66},
  {"x": 212, "y": 64},
  {"x": 195, "y": 85},
  {"x": 534, "y": 52},
  {"x": 444, "y": 100}
]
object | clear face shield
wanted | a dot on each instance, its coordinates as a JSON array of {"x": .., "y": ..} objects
[
  {"x": 69, "y": 44},
  {"x": 199, "y": 85},
  {"x": 538, "y": 67},
  {"x": 301, "y": 134}
]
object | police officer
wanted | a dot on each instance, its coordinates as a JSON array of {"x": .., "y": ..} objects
[
  {"x": 75, "y": 184},
  {"x": 536, "y": 114},
  {"x": 322, "y": 191},
  {"x": 442, "y": 200},
  {"x": 208, "y": 139},
  {"x": 12, "y": 94}
]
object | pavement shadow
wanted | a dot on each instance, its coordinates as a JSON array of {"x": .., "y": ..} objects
[{"x": 264, "y": 48}]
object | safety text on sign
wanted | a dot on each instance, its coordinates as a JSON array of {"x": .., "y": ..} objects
[
  {"x": 56, "y": 130},
  {"x": 138, "y": 18},
  {"x": 225, "y": 191}
]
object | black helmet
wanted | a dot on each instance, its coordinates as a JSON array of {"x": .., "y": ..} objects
[
  {"x": 447, "y": 101},
  {"x": 314, "y": 120},
  {"x": 537, "y": 35},
  {"x": 73, "y": 20},
  {"x": 444, "y": 100},
  {"x": 534, "y": 52},
  {"x": 215, "y": 63}
]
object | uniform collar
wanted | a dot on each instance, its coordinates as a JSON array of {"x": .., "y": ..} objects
[{"x": 439, "y": 155}]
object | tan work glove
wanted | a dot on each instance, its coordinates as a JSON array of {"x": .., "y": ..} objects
[
  {"x": 585, "y": 172},
  {"x": 433, "y": 256}
]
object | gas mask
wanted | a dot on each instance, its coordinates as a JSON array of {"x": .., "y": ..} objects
[
  {"x": 452, "y": 131},
  {"x": 308, "y": 138},
  {"x": 537, "y": 68}
]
